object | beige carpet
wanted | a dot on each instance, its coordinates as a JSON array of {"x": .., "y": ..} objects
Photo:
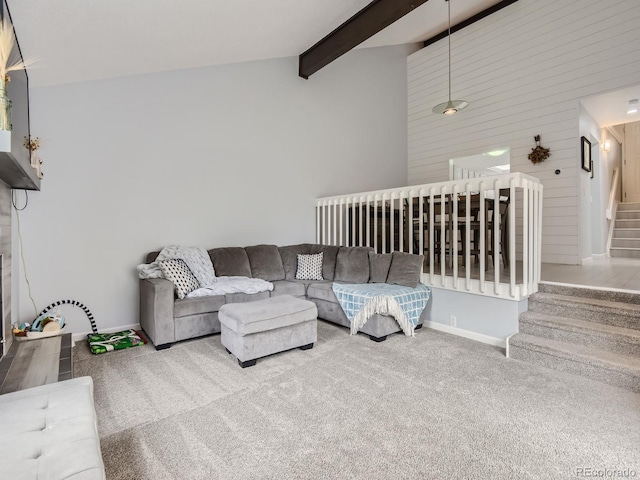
[{"x": 435, "y": 406}]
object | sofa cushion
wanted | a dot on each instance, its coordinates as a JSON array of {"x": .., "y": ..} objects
[
  {"x": 352, "y": 265},
  {"x": 289, "y": 256},
  {"x": 379, "y": 264},
  {"x": 230, "y": 261},
  {"x": 198, "y": 305},
  {"x": 286, "y": 287},
  {"x": 405, "y": 269},
  {"x": 329, "y": 255},
  {"x": 322, "y": 291},
  {"x": 178, "y": 273},
  {"x": 309, "y": 266},
  {"x": 265, "y": 262}
]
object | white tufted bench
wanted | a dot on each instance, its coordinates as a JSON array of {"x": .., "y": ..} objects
[{"x": 50, "y": 432}]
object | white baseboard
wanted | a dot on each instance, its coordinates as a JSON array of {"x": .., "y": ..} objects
[
  {"x": 83, "y": 336},
  {"x": 478, "y": 337}
]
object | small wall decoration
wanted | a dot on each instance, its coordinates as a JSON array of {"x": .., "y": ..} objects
[
  {"x": 33, "y": 145},
  {"x": 586, "y": 154},
  {"x": 539, "y": 153}
]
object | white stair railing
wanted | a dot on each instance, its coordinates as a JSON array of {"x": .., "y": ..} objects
[
  {"x": 479, "y": 235},
  {"x": 612, "y": 206}
]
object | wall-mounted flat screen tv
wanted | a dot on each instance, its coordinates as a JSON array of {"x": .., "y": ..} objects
[{"x": 18, "y": 93}]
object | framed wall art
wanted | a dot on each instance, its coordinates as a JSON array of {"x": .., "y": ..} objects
[{"x": 586, "y": 154}]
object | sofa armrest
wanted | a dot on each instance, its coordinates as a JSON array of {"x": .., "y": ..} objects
[{"x": 156, "y": 310}]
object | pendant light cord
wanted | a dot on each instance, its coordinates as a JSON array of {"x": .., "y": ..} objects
[{"x": 449, "y": 30}]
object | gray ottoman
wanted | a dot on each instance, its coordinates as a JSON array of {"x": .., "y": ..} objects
[{"x": 256, "y": 329}]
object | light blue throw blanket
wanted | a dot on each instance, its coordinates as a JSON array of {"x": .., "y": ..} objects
[{"x": 361, "y": 300}]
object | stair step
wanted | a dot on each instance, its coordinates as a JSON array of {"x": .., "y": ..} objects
[
  {"x": 625, "y": 223},
  {"x": 625, "y": 243},
  {"x": 626, "y": 232},
  {"x": 624, "y": 341},
  {"x": 624, "y": 252},
  {"x": 592, "y": 293},
  {"x": 628, "y": 215},
  {"x": 615, "y": 369},
  {"x": 625, "y": 315},
  {"x": 628, "y": 206}
]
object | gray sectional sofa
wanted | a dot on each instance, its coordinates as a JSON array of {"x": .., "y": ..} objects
[{"x": 167, "y": 319}]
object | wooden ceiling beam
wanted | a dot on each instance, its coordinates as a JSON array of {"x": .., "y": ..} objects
[{"x": 376, "y": 16}]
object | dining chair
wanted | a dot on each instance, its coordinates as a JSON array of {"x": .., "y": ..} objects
[
  {"x": 503, "y": 212},
  {"x": 470, "y": 216},
  {"x": 438, "y": 212}
]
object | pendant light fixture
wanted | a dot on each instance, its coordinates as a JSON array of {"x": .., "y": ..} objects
[{"x": 452, "y": 106}]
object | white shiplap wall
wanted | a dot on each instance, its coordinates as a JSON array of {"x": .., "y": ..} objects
[{"x": 523, "y": 70}]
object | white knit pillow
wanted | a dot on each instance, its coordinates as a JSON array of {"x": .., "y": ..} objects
[
  {"x": 309, "y": 267},
  {"x": 177, "y": 272}
]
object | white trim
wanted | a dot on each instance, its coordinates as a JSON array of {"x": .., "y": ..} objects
[
  {"x": 612, "y": 226},
  {"x": 611, "y": 206},
  {"x": 83, "y": 336},
  {"x": 478, "y": 337}
]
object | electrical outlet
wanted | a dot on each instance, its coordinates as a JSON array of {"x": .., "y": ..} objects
[{"x": 453, "y": 321}]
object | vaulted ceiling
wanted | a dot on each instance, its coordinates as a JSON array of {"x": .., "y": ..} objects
[{"x": 78, "y": 40}]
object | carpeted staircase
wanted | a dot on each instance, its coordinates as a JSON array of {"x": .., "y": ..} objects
[
  {"x": 589, "y": 332},
  {"x": 625, "y": 241}
]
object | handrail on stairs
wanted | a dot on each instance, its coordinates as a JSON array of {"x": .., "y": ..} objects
[
  {"x": 612, "y": 207},
  {"x": 613, "y": 193}
]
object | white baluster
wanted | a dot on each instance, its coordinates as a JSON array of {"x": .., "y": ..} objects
[
  {"x": 392, "y": 229},
  {"x": 526, "y": 221},
  {"x": 375, "y": 223},
  {"x": 512, "y": 235},
  {"x": 496, "y": 237},
  {"x": 483, "y": 235},
  {"x": 467, "y": 235},
  {"x": 401, "y": 222},
  {"x": 384, "y": 224},
  {"x": 454, "y": 240},
  {"x": 318, "y": 223},
  {"x": 431, "y": 235},
  {"x": 443, "y": 237}
]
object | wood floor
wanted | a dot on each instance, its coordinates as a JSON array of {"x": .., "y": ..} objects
[{"x": 603, "y": 272}]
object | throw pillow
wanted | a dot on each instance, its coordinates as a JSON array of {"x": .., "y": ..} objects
[
  {"x": 309, "y": 267},
  {"x": 177, "y": 272},
  {"x": 379, "y": 264},
  {"x": 405, "y": 269}
]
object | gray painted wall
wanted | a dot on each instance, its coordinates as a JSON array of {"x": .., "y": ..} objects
[
  {"x": 220, "y": 156},
  {"x": 6, "y": 252}
]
